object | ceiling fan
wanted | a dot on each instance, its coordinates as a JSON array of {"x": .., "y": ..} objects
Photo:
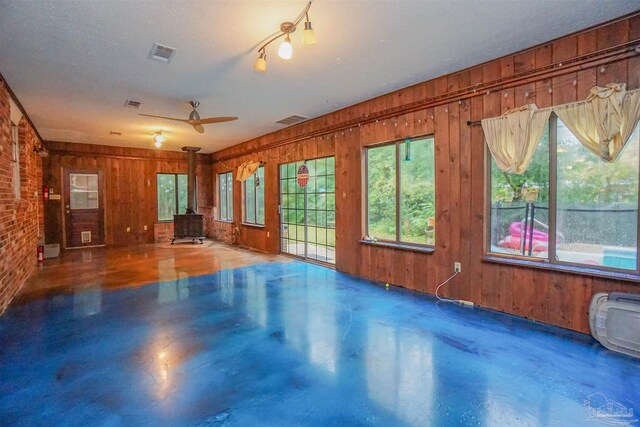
[{"x": 194, "y": 118}]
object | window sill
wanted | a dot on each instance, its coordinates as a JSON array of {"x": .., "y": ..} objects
[
  {"x": 563, "y": 268},
  {"x": 401, "y": 246},
  {"x": 246, "y": 224},
  {"x": 226, "y": 221}
]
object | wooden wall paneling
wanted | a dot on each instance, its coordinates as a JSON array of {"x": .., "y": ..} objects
[
  {"x": 613, "y": 35},
  {"x": 564, "y": 90},
  {"x": 542, "y": 95},
  {"x": 442, "y": 263},
  {"x": 476, "y": 221},
  {"x": 465, "y": 200},
  {"x": 634, "y": 63},
  {"x": 582, "y": 292},
  {"x": 454, "y": 195},
  {"x": 492, "y": 105},
  {"x": 586, "y": 79}
]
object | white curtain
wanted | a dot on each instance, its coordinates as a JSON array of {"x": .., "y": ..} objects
[
  {"x": 513, "y": 137},
  {"x": 605, "y": 121},
  {"x": 247, "y": 169}
]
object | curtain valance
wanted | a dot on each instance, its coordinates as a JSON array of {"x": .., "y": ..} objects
[
  {"x": 247, "y": 169},
  {"x": 513, "y": 137},
  {"x": 603, "y": 124},
  {"x": 605, "y": 121}
]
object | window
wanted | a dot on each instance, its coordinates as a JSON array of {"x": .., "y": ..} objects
[
  {"x": 83, "y": 191},
  {"x": 15, "y": 160},
  {"x": 225, "y": 196},
  {"x": 172, "y": 195},
  {"x": 254, "y": 198},
  {"x": 593, "y": 219},
  {"x": 401, "y": 192}
]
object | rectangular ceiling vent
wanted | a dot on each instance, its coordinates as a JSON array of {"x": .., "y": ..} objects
[
  {"x": 113, "y": 132},
  {"x": 132, "y": 103},
  {"x": 162, "y": 53},
  {"x": 292, "y": 120}
]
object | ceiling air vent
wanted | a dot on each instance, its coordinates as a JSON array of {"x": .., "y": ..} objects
[
  {"x": 113, "y": 132},
  {"x": 162, "y": 53},
  {"x": 292, "y": 120},
  {"x": 132, "y": 103}
]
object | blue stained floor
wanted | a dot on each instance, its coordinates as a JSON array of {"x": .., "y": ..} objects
[{"x": 280, "y": 344}]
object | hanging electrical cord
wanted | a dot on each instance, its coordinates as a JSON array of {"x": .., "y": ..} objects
[{"x": 455, "y": 301}]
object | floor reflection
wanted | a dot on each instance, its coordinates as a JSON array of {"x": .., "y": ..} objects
[
  {"x": 291, "y": 344},
  {"x": 400, "y": 371},
  {"x": 174, "y": 283}
]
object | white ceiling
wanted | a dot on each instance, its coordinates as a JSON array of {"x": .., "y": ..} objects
[{"x": 73, "y": 63}]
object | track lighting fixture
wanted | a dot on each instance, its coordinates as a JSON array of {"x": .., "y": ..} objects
[
  {"x": 158, "y": 139},
  {"x": 285, "y": 51}
]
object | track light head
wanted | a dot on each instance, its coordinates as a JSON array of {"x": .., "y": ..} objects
[
  {"x": 261, "y": 63},
  {"x": 308, "y": 35},
  {"x": 285, "y": 50}
]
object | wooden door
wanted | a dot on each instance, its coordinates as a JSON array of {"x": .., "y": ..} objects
[{"x": 84, "y": 208}]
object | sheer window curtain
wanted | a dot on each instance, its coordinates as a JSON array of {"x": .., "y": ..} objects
[
  {"x": 513, "y": 137},
  {"x": 605, "y": 121}
]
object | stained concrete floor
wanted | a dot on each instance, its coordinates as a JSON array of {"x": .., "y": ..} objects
[{"x": 290, "y": 343}]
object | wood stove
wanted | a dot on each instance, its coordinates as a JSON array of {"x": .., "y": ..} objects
[{"x": 189, "y": 225}]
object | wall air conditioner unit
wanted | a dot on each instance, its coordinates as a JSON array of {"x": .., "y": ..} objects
[{"x": 614, "y": 320}]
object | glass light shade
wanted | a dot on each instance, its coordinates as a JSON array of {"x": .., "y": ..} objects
[
  {"x": 285, "y": 50},
  {"x": 158, "y": 139},
  {"x": 261, "y": 63},
  {"x": 308, "y": 35}
]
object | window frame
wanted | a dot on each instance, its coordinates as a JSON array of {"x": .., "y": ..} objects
[
  {"x": 228, "y": 197},
  {"x": 177, "y": 195},
  {"x": 551, "y": 262},
  {"x": 245, "y": 220},
  {"x": 398, "y": 204}
]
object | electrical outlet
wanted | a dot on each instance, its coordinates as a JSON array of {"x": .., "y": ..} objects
[
  {"x": 128, "y": 229},
  {"x": 457, "y": 267},
  {"x": 145, "y": 228}
]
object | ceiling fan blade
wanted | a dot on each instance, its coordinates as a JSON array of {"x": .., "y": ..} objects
[
  {"x": 198, "y": 127},
  {"x": 163, "y": 117},
  {"x": 212, "y": 120}
]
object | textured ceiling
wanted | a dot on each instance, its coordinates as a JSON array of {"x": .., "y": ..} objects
[{"x": 73, "y": 64}]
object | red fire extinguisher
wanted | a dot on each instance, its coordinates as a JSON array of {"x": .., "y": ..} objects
[
  {"x": 45, "y": 193},
  {"x": 40, "y": 255}
]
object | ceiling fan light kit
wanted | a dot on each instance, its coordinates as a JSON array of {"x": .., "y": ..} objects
[
  {"x": 158, "y": 139},
  {"x": 285, "y": 51}
]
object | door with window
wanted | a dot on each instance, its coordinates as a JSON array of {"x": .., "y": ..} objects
[
  {"x": 308, "y": 214},
  {"x": 84, "y": 208}
]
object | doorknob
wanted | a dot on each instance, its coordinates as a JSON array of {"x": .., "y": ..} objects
[
  {"x": 68, "y": 211},
  {"x": 67, "y": 206}
]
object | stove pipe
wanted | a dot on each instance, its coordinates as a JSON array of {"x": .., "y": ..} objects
[{"x": 191, "y": 178}]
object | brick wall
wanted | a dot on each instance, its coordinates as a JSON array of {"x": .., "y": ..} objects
[
  {"x": 21, "y": 220},
  {"x": 162, "y": 232}
]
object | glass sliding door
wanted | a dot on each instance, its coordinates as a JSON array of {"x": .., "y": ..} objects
[{"x": 308, "y": 214}]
